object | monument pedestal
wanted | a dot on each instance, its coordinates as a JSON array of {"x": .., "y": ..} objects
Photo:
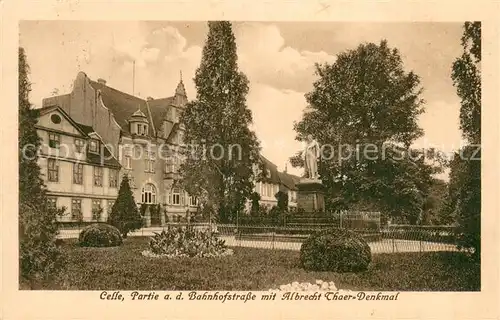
[{"x": 310, "y": 195}]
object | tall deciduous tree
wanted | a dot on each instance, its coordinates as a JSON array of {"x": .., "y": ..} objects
[
  {"x": 125, "y": 214},
  {"x": 38, "y": 254},
  {"x": 465, "y": 176},
  {"x": 221, "y": 168},
  {"x": 364, "y": 109}
]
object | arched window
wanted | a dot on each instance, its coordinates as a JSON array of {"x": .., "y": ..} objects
[{"x": 149, "y": 194}]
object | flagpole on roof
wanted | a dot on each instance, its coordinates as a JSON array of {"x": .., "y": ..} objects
[{"x": 133, "y": 79}]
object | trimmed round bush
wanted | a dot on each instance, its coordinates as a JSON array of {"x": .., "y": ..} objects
[
  {"x": 100, "y": 235},
  {"x": 337, "y": 250}
]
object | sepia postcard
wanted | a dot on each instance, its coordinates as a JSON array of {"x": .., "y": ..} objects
[{"x": 250, "y": 160}]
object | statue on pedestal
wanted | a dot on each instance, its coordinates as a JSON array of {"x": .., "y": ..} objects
[{"x": 311, "y": 156}]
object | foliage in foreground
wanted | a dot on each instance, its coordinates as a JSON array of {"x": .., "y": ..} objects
[
  {"x": 39, "y": 255},
  {"x": 100, "y": 235},
  {"x": 338, "y": 250},
  {"x": 187, "y": 242},
  {"x": 124, "y": 268},
  {"x": 465, "y": 175}
]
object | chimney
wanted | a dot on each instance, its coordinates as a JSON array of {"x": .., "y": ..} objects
[
  {"x": 101, "y": 81},
  {"x": 149, "y": 98}
]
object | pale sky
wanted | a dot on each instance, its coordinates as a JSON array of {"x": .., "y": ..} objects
[{"x": 277, "y": 57}]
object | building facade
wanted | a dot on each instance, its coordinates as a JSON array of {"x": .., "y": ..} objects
[
  {"x": 271, "y": 181},
  {"x": 76, "y": 175},
  {"x": 113, "y": 134}
]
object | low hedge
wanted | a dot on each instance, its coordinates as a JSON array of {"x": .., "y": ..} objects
[
  {"x": 100, "y": 235},
  {"x": 337, "y": 250}
]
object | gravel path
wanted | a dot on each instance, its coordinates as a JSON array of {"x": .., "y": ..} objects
[{"x": 383, "y": 246}]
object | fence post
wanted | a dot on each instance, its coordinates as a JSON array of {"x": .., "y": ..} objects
[
  {"x": 238, "y": 234},
  {"x": 274, "y": 232},
  {"x": 393, "y": 245}
]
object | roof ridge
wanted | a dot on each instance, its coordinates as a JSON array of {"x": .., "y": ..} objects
[
  {"x": 125, "y": 93},
  {"x": 92, "y": 82}
]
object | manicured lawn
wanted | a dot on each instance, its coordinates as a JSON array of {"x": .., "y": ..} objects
[{"x": 124, "y": 268}]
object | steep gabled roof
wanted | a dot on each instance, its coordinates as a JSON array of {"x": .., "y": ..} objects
[
  {"x": 87, "y": 131},
  {"x": 273, "y": 169},
  {"x": 85, "y": 128},
  {"x": 124, "y": 105},
  {"x": 159, "y": 109},
  {"x": 46, "y": 109},
  {"x": 289, "y": 180},
  {"x": 121, "y": 104}
]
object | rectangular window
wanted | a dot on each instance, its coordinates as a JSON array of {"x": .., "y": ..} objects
[
  {"x": 152, "y": 163},
  {"x": 169, "y": 165},
  {"x": 53, "y": 167},
  {"x": 149, "y": 163},
  {"x": 176, "y": 196},
  {"x": 96, "y": 209},
  {"x": 77, "y": 173},
  {"x": 94, "y": 146},
  {"x": 113, "y": 178},
  {"x": 128, "y": 162},
  {"x": 131, "y": 180},
  {"x": 76, "y": 209},
  {"x": 111, "y": 203},
  {"x": 98, "y": 176},
  {"x": 79, "y": 145},
  {"x": 52, "y": 202},
  {"x": 54, "y": 140},
  {"x": 193, "y": 202}
]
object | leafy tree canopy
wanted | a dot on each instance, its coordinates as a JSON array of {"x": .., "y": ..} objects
[{"x": 363, "y": 110}]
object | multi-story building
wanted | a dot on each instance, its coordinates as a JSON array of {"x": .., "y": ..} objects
[
  {"x": 110, "y": 134},
  {"x": 76, "y": 175},
  {"x": 288, "y": 184},
  {"x": 272, "y": 181},
  {"x": 140, "y": 136}
]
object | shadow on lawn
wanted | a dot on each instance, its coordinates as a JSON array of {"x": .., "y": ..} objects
[{"x": 124, "y": 268}]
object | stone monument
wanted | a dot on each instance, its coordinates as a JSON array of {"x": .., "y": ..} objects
[{"x": 310, "y": 195}]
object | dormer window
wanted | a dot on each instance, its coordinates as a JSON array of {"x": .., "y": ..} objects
[
  {"x": 94, "y": 146},
  {"x": 139, "y": 123}
]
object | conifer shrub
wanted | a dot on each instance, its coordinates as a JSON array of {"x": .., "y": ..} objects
[
  {"x": 125, "y": 215},
  {"x": 337, "y": 250},
  {"x": 100, "y": 235}
]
